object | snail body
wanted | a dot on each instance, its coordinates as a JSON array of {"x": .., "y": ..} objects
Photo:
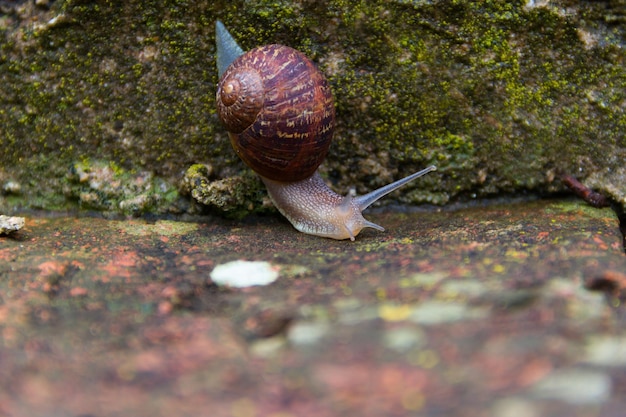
[{"x": 280, "y": 115}]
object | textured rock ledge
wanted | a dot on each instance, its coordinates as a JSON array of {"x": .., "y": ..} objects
[
  {"x": 509, "y": 310},
  {"x": 502, "y": 96}
]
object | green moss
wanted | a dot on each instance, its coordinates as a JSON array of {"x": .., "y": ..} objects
[
  {"x": 497, "y": 94},
  {"x": 235, "y": 196},
  {"x": 579, "y": 208},
  {"x": 108, "y": 187}
]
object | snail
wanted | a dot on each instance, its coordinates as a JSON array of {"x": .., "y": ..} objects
[{"x": 280, "y": 116}]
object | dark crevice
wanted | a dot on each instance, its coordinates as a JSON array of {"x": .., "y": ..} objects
[
  {"x": 621, "y": 216},
  {"x": 597, "y": 200}
]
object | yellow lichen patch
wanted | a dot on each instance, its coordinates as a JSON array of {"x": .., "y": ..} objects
[
  {"x": 425, "y": 358},
  {"x": 391, "y": 312},
  {"x": 161, "y": 227},
  {"x": 422, "y": 280}
]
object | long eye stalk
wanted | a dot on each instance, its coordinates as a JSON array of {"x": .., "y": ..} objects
[
  {"x": 227, "y": 48},
  {"x": 364, "y": 201}
]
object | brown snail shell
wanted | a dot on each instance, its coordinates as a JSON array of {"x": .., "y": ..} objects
[{"x": 279, "y": 111}]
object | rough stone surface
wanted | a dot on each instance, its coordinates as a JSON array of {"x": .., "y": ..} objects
[
  {"x": 502, "y": 96},
  {"x": 508, "y": 310},
  {"x": 10, "y": 224}
]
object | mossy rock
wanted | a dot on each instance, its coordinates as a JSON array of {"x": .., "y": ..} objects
[{"x": 502, "y": 96}]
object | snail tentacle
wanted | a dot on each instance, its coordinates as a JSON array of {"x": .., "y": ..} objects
[
  {"x": 366, "y": 200},
  {"x": 227, "y": 48}
]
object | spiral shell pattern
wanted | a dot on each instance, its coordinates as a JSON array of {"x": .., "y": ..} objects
[{"x": 279, "y": 111}]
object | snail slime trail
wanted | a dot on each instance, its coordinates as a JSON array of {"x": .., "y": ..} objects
[{"x": 279, "y": 112}]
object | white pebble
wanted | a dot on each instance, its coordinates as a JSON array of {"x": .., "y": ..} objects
[
  {"x": 242, "y": 274},
  {"x": 10, "y": 224},
  {"x": 514, "y": 407},
  {"x": 307, "y": 333},
  {"x": 607, "y": 351},
  {"x": 438, "y": 312},
  {"x": 575, "y": 386}
]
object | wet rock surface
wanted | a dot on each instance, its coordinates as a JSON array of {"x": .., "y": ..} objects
[
  {"x": 505, "y": 310},
  {"x": 10, "y": 224}
]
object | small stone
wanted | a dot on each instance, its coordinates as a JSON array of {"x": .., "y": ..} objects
[
  {"x": 9, "y": 224},
  {"x": 606, "y": 351},
  {"x": 438, "y": 312},
  {"x": 12, "y": 187},
  {"x": 514, "y": 407},
  {"x": 574, "y": 386},
  {"x": 267, "y": 348},
  {"x": 403, "y": 339},
  {"x": 392, "y": 312},
  {"x": 307, "y": 334},
  {"x": 135, "y": 204},
  {"x": 421, "y": 280},
  {"x": 464, "y": 289},
  {"x": 242, "y": 274}
]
